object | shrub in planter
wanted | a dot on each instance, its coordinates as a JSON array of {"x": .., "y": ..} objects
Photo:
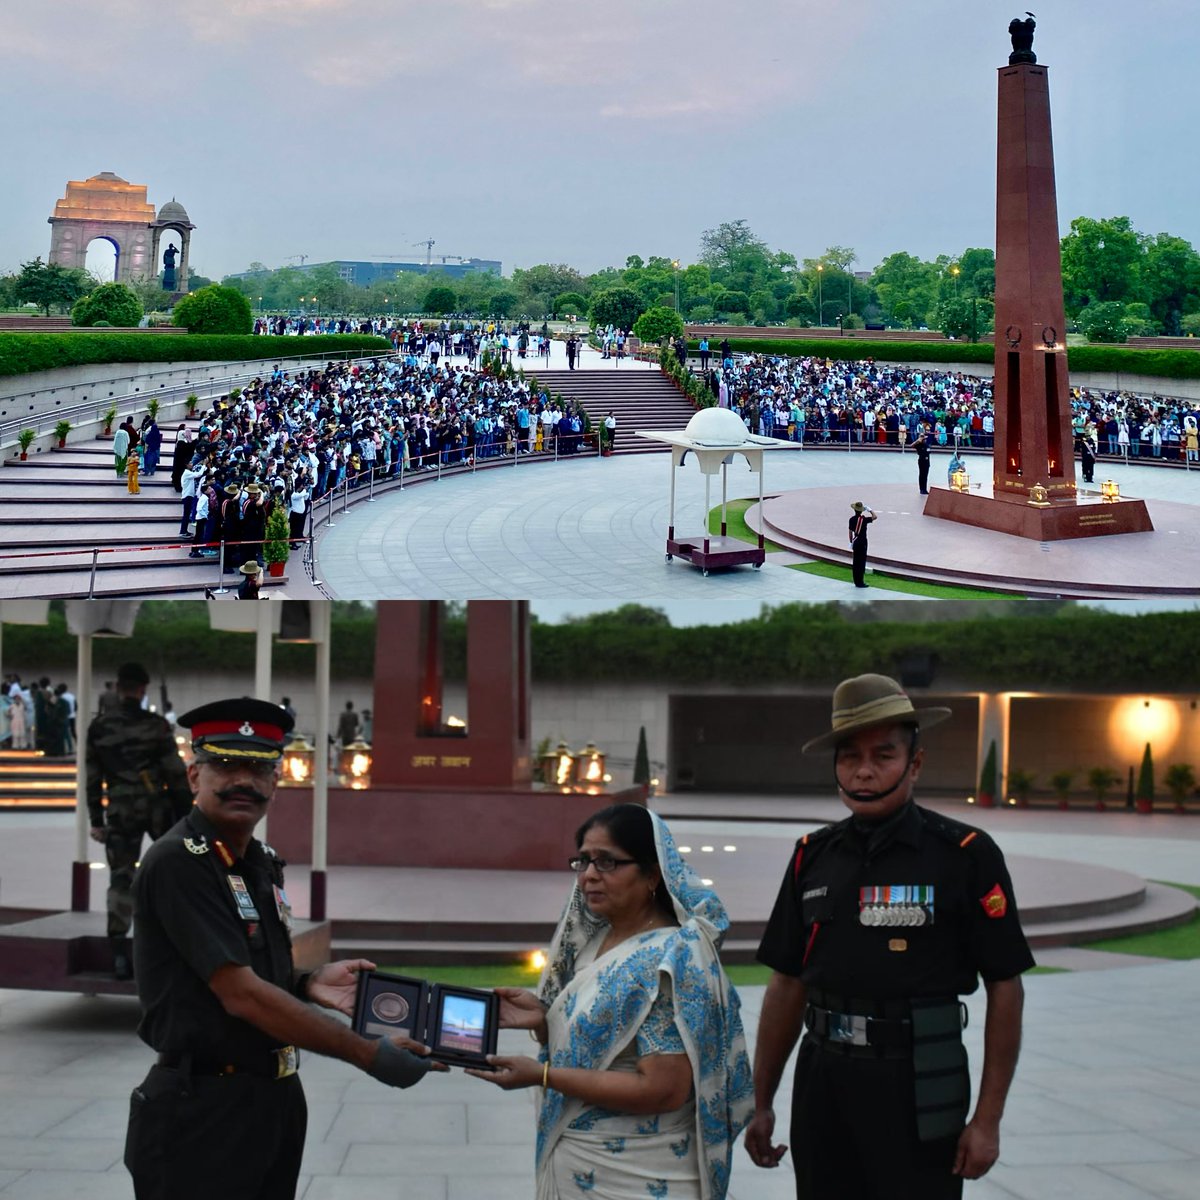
[
  {"x": 110, "y": 415},
  {"x": 192, "y": 402},
  {"x": 1144, "y": 796},
  {"x": 60, "y": 431},
  {"x": 1020, "y": 785},
  {"x": 1181, "y": 781},
  {"x": 1061, "y": 781},
  {"x": 25, "y": 440},
  {"x": 153, "y": 407},
  {"x": 1102, "y": 780},
  {"x": 276, "y": 544}
]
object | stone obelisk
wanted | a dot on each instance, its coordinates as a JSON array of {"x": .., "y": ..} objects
[{"x": 1033, "y": 464}]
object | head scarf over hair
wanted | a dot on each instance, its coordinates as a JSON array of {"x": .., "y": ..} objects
[{"x": 706, "y": 1009}]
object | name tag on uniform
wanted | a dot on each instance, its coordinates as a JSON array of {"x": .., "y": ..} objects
[
  {"x": 282, "y": 906},
  {"x": 243, "y": 899},
  {"x": 900, "y": 904}
]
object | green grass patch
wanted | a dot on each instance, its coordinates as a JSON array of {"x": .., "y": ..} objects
[
  {"x": 1048, "y": 971},
  {"x": 735, "y": 522},
  {"x": 1182, "y": 943},
  {"x": 890, "y": 583}
]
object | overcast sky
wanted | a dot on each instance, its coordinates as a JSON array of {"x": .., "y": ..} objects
[{"x": 556, "y": 131}]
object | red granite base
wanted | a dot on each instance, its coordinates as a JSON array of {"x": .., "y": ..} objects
[
  {"x": 1077, "y": 519},
  {"x": 392, "y": 827}
]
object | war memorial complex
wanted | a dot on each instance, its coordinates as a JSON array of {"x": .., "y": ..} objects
[{"x": 433, "y": 837}]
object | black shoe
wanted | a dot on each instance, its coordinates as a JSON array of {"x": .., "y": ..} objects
[{"x": 122, "y": 962}]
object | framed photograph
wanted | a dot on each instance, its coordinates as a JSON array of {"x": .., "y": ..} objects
[{"x": 463, "y": 1024}]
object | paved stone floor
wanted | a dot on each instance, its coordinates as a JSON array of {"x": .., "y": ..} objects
[
  {"x": 1105, "y": 1104},
  {"x": 595, "y": 529}
]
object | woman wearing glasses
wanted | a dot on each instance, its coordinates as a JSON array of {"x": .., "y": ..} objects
[{"x": 643, "y": 1068}]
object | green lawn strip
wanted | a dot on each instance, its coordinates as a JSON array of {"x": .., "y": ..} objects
[
  {"x": 736, "y": 527},
  {"x": 890, "y": 583},
  {"x": 1181, "y": 943}
]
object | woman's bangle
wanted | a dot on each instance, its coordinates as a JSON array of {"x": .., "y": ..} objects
[{"x": 545, "y": 1074}]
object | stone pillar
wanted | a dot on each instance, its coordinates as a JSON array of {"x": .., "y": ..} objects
[
  {"x": 1033, "y": 411},
  {"x": 413, "y": 746},
  {"x": 994, "y": 726},
  {"x": 181, "y": 268}
]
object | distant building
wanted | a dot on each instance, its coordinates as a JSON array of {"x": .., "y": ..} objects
[{"x": 363, "y": 274}]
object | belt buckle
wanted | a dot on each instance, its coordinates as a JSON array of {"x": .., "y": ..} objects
[
  {"x": 848, "y": 1029},
  {"x": 287, "y": 1061}
]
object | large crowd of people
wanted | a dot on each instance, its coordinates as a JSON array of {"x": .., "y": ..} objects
[
  {"x": 37, "y": 716},
  {"x": 819, "y": 401},
  {"x": 289, "y": 439}
]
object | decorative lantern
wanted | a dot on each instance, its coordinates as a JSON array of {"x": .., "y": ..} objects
[
  {"x": 558, "y": 766},
  {"x": 356, "y": 765},
  {"x": 960, "y": 481},
  {"x": 1109, "y": 490},
  {"x": 297, "y": 762},
  {"x": 1039, "y": 497},
  {"x": 589, "y": 767}
]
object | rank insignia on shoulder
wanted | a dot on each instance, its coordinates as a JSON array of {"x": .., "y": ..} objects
[
  {"x": 196, "y": 845},
  {"x": 995, "y": 903}
]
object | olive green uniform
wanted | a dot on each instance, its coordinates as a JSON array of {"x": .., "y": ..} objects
[{"x": 133, "y": 752}]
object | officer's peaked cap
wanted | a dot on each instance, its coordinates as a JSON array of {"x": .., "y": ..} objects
[
  {"x": 237, "y": 730},
  {"x": 867, "y": 701},
  {"x": 132, "y": 673}
]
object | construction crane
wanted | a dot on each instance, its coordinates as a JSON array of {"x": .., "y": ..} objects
[
  {"x": 302, "y": 257},
  {"x": 429, "y": 244}
]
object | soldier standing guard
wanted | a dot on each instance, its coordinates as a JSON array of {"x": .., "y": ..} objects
[
  {"x": 882, "y": 922},
  {"x": 133, "y": 751},
  {"x": 222, "y": 1112}
]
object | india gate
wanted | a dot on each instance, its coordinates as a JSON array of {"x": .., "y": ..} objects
[{"x": 117, "y": 211}]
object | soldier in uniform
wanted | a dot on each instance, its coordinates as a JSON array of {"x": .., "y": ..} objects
[
  {"x": 222, "y": 1112},
  {"x": 882, "y": 922},
  {"x": 133, "y": 751}
]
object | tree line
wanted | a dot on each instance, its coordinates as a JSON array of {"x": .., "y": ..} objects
[{"x": 1117, "y": 282}]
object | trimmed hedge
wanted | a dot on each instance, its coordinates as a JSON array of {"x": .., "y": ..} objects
[
  {"x": 1029, "y": 646},
  {"x": 1159, "y": 364},
  {"x": 21, "y": 353}
]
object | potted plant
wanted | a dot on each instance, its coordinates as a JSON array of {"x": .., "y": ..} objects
[
  {"x": 192, "y": 402},
  {"x": 152, "y": 408},
  {"x": 1144, "y": 796},
  {"x": 987, "y": 779},
  {"x": 110, "y": 415},
  {"x": 276, "y": 544},
  {"x": 1020, "y": 785},
  {"x": 1180, "y": 780},
  {"x": 1102, "y": 780},
  {"x": 25, "y": 440},
  {"x": 1060, "y": 781},
  {"x": 60, "y": 431},
  {"x": 641, "y": 764}
]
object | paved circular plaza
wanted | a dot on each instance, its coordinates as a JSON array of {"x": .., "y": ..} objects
[{"x": 596, "y": 529}]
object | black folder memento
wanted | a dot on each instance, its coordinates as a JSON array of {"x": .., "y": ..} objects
[{"x": 458, "y": 1024}]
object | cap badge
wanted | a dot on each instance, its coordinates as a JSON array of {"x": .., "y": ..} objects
[{"x": 246, "y": 729}]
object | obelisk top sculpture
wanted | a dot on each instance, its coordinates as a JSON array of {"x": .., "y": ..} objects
[{"x": 1022, "y": 40}]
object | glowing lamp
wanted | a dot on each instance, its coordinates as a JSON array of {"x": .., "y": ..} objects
[
  {"x": 960, "y": 481},
  {"x": 558, "y": 766},
  {"x": 355, "y": 765},
  {"x": 537, "y": 959},
  {"x": 589, "y": 766},
  {"x": 297, "y": 763},
  {"x": 1110, "y": 490}
]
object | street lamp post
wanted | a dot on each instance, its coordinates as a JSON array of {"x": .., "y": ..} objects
[
  {"x": 675, "y": 265},
  {"x": 954, "y": 270},
  {"x": 820, "y": 301}
]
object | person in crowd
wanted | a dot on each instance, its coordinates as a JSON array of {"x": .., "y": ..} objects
[
  {"x": 121, "y": 450},
  {"x": 643, "y": 1074},
  {"x": 348, "y": 725},
  {"x": 251, "y": 583},
  {"x": 882, "y": 921},
  {"x": 152, "y": 444}
]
